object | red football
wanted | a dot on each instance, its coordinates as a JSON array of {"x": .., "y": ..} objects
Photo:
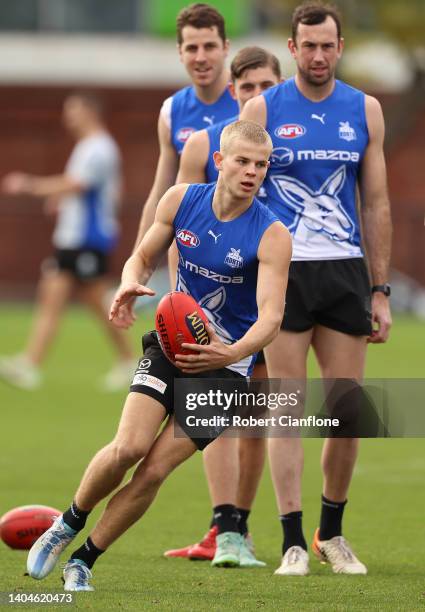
[
  {"x": 21, "y": 527},
  {"x": 179, "y": 318}
]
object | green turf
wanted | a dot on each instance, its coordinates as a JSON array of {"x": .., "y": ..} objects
[{"x": 48, "y": 436}]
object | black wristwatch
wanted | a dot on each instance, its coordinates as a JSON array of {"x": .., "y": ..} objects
[{"x": 385, "y": 289}]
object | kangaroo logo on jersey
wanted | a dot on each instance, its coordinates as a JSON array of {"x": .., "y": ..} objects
[
  {"x": 318, "y": 211},
  {"x": 187, "y": 238},
  {"x": 282, "y": 156},
  {"x": 346, "y": 132},
  {"x": 290, "y": 130},
  {"x": 234, "y": 259},
  {"x": 184, "y": 133},
  {"x": 211, "y": 305}
]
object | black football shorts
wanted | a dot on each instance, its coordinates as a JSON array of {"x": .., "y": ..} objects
[
  {"x": 155, "y": 376},
  {"x": 83, "y": 264},
  {"x": 334, "y": 293}
]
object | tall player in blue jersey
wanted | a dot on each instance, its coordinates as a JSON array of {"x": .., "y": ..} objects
[
  {"x": 247, "y": 273},
  {"x": 203, "y": 48},
  {"x": 252, "y": 71},
  {"x": 328, "y": 139}
]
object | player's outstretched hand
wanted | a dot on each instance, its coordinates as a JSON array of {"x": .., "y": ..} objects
[
  {"x": 212, "y": 356},
  {"x": 16, "y": 183},
  {"x": 121, "y": 313},
  {"x": 381, "y": 319}
]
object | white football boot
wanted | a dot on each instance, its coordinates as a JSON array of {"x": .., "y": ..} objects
[
  {"x": 20, "y": 372},
  {"x": 294, "y": 563},
  {"x": 119, "y": 376},
  {"x": 76, "y": 576},
  {"x": 339, "y": 554},
  {"x": 45, "y": 552}
]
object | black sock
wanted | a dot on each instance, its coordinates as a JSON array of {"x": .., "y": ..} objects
[
  {"x": 88, "y": 553},
  {"x": 331, "y": 518},
  {"x": 292, "y": 530},
  {"x": 226, "y": 518},
  {"x": 213, "y": 521},
  {"x": 242, "y": 522},
  {"x": 75, "y": 517}
]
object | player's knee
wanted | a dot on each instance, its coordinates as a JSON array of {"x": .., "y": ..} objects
[{"x": 127, "y": 454}]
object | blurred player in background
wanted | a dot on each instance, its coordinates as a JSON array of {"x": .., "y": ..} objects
[
  {"x": 250, "y": 316},
  {"x": 328, "y": 138},
  {"x": 203, "y": 48},
  {"x": 252, "y": 71},
  {"x": 86, "y": 198}
]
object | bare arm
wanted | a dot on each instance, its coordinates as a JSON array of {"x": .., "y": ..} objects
[
  {"x": 376, "y": 216},
  {"x": 165, "y": 177},
  {"x": 194, "y": 158},
  {"x": 255, "y": 110},
  {"x": 274, "y": 255},
  {"x": 17, "y": 183},
  {"x": 139, "y": 267}
]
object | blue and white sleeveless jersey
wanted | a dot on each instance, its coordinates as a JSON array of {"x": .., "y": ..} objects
[
  {"x": 218, "y": 263},
  {"x": 185, "y": 113},
  {"x": 318, "y": 149},
  {"x": 214, "y": 134},
  {"x": 88, "y": 220}
]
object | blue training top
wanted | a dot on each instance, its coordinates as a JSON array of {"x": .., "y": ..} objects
[
  {"x": 189, "y": 114},
  {"x": 214, "y": 133},
  {"x": 318, "y": 148},
  {"x": 218, "y": 263}
]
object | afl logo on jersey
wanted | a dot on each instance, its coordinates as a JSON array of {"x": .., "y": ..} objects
[
  {"x": 184, "y": 133},
  {"x": 290, "y": 130},
  {"x": 187, "y": 238}
]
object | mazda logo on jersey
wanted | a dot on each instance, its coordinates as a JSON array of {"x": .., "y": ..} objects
[
  {"x": 184, "y": 133},
  {"x": 290, "y": 130},
  {"x": 281, "y": 156},
  {"x": 187, "y": 238}
]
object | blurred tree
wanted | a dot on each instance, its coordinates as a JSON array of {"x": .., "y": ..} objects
[{"x": 401, "y": 20}]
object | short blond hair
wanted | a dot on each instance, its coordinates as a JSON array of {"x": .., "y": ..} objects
[{"x": 247, "y": 130}]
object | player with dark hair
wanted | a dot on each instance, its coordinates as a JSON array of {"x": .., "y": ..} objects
[
  {"x": 200, "y": 15},
  {"x": 251, "y": 310},
  {"x": 203, "y": 48},
  {"x": 328, "y": 141},
  {"x": 85, "y": 198},
  {"x": 252, "y": 71}
]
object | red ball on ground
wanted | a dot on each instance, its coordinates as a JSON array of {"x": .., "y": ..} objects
[{"x": 22, "y": 526}]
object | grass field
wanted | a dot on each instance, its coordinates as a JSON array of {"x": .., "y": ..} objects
[{"x": 48, "y": 436}]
